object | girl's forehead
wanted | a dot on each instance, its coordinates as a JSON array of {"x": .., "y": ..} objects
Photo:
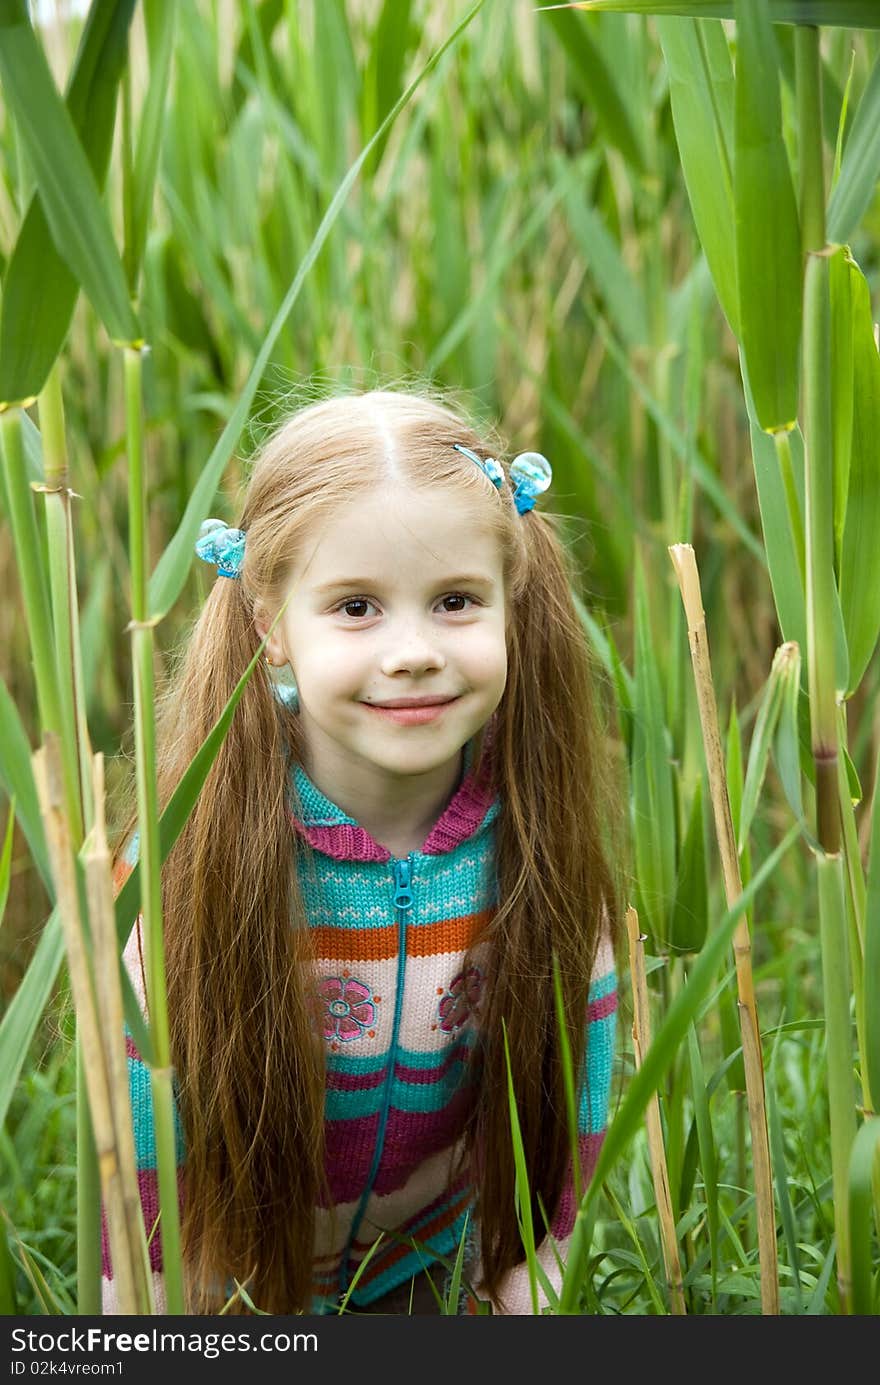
[{"x": 399, "y": 527}]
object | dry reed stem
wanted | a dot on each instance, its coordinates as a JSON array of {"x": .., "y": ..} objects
[
  {"x": 682, "y": 555},
  {"x": 48, "y": 776},
  {"x": 641, "y": 1034},
  {"x": 108, "y": 986}
]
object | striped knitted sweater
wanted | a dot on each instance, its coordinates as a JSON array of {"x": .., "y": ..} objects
[{"x": 400, "y": 1016}]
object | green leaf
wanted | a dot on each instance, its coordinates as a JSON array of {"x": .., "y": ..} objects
[
  {"x": 172, "y": 568},
  {"x": 6, "y": 859},
  {"x": 611, "y": 276},
  {"x": 849, "y": 14},
  {"x": 8, "y": 1304},
  {"x": 860, "y": 551},
  {"x": 860, "y": 169},
  {"x": 16, "y": 775},
  {"x": 842, "y": 385},
  {"x": 786, "y": 742},
  {"x": 762, "y": 737},
  {"x": 861, "y": 1165},
  {"x": 768, "y": 240},
  {"x": 598, "y": 87},
  {"x": 706, "y": 1142},
  {"x": 159, "y": 17},
  {"x": 651, "y": 778},
  {"x": 71, "y": 200},
  {"x": 701, "y": 91},
  {"x": 871, "y": 979},
  {"x": 690, "y": 911},
  {"x": 780, "y": 1178},
  {"x": 39, "y": 290},
  {"x": 383, "y": 78}
]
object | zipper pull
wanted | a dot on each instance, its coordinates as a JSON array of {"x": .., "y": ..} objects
[{"x": 403, "y": 892}]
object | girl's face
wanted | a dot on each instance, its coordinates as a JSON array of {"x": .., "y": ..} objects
[{"x": 399, "y": 598}]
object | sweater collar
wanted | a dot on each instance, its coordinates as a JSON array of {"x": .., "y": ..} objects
[{"x": 334, "y": 833}]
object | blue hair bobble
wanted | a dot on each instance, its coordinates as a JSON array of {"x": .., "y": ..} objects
[
  {"x": 530, "y": 472},
  {"x": 486, "y": 464},
  {"x": 224, "y": 547}
]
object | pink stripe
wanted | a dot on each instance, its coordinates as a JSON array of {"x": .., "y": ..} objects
[
  {"x": 344, "y": 841},
  {"x": 602, "y": 1008},
  {"x": 131, "y": 1050},
  {"x": 148, "y": 1188},
  {"x": 349, "y": 1156},
  {"x": 413, "y": 1136},
  {"x": 588, "y": 1148},
  {"x": 410, "y": 1138},
  {"x": 355, "y": 1082}
]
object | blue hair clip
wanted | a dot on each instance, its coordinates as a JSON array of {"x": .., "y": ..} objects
[
  {"x": 224, "y": 547},
  {"x": 532, "y": 474},
  {"x": 486, "y": 464}
]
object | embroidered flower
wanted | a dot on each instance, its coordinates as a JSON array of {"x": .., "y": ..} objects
[
  {"x": 348, "y": 1008},
  {"x": 461, "y": 1000}
]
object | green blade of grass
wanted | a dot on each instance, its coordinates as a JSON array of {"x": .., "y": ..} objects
[
  {"x": 68, "y": 190},
  {"x": 599, "y": 88},
  {"x": 6, "y": 859},
  {"x": 39, "y": 288},
  {"x": 701, "y": 95},
  {"x": 768, "y": 238},
  {"x": 860, "y": 167},
  {"x": 159, "y": 19},
  {"x": 860, "y": 552},
  {"x": 861, "y": 1166},
  {"x": 17, "y": 778},
  {"x": 850, "y": 14}
]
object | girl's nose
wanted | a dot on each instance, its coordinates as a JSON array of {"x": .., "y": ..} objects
[{"x": 410, "y": 652}]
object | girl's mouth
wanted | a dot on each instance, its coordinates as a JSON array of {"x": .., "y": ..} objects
[{"x": 411, "y": 716}]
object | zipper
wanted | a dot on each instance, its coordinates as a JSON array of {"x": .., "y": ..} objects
[{"x": 403, "y": 898}]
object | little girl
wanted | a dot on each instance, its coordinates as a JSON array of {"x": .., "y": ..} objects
[{"x": 392, "y": 843}]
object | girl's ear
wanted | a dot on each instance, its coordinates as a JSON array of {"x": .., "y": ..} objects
[{"x": 274, "y": 647}]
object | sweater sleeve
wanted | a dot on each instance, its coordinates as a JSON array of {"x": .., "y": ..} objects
[
  {"x": 593, "y": 1101},
  {"x": 142, "y": 1120}
]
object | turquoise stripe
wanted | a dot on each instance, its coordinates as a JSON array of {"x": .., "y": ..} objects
[
  {"x": 355, "y": 1066},
  {"x": 411, "y": 1097},
  {"x": 142, "y": 1117},
  {"x": 604, "y": 985},
  {"x": 595, "y": 1094}
]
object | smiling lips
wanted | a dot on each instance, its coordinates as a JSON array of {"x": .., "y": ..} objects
[{"x": 411, "y": 711}]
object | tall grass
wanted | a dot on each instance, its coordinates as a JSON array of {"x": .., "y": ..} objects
[{"x": 608, "y": 230}]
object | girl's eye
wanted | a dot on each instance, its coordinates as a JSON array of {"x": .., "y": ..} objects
[
  {"x": 357, "y": 606},
  {"x": 356, "y": 601},
  {"x": 457, "y": 596}
]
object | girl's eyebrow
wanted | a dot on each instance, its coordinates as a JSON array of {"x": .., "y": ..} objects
[{"x": 354, "y": 583}]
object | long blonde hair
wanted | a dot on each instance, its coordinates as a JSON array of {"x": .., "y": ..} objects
[{"x": 247, "y": 1055}]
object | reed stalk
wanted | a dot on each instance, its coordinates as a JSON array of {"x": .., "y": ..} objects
[
  {"x": 818, "y": 435},
  {"x": 133, "y": 1280},
  {"x": 141, "y": 628},
  {"x": 683, "y": 561},
  {"x": 641, "y": 1035},
  {"x": 49, "y": 779},
  {"x": 75, "y": 751}
]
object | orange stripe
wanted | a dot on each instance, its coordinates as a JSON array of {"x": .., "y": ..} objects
[
  {"x": 380, "y": 944},
  {"x": 449, "y": 935}
]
